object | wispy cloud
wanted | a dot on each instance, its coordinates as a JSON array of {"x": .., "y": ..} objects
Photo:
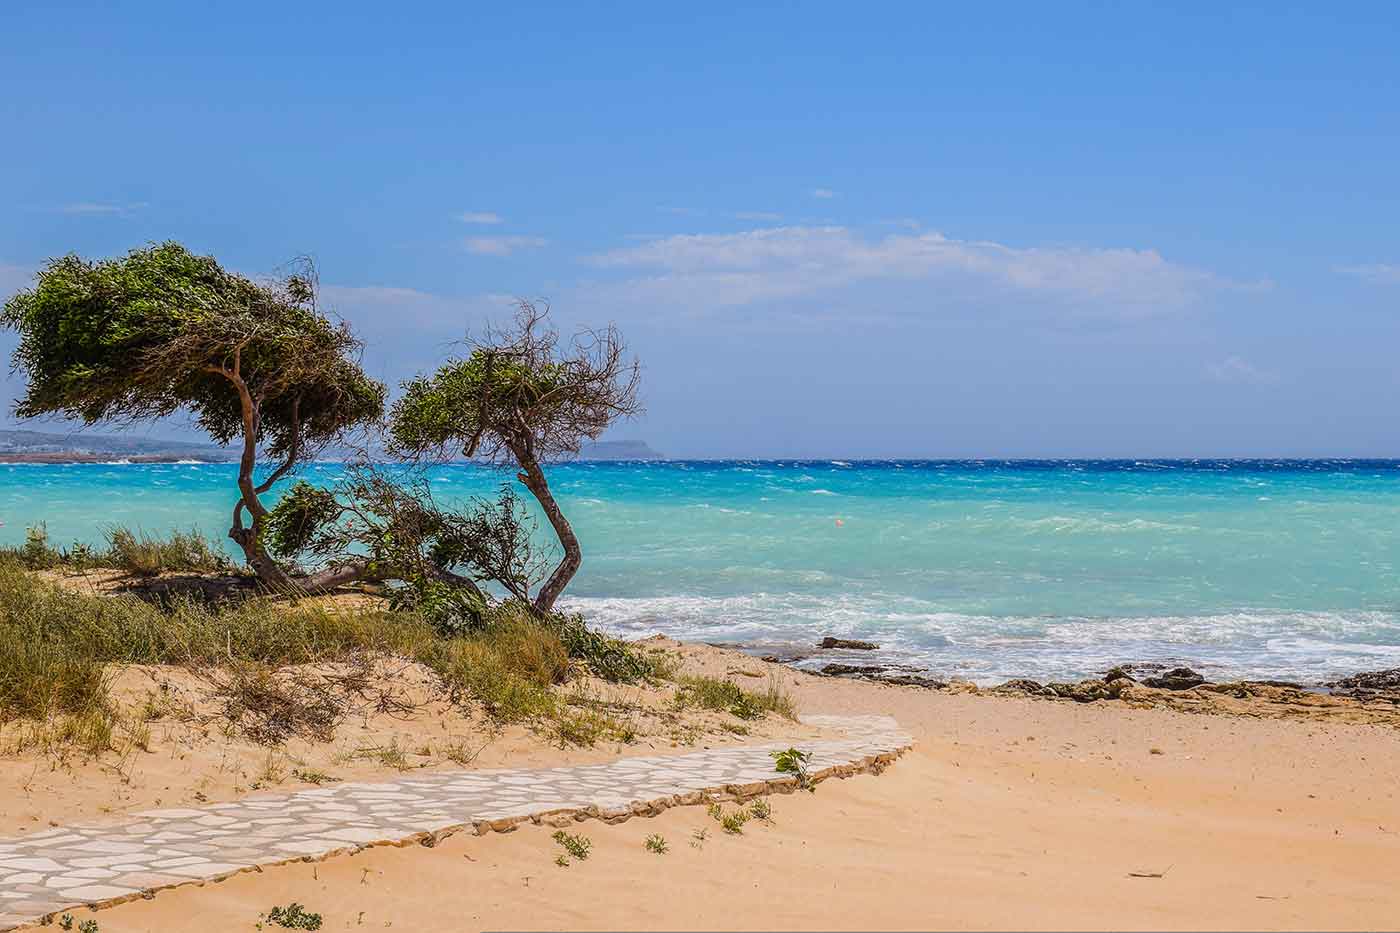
[
  {"x": 787, "y": 262},
  {"x": 100, "y": 207},
  {"x": 1239, "y": 371},
  {"x": 761, "y": 216},
  {"x": 1377, "y": 273},
  {"x": 480, "y": 217},
  {"x": 388, "y": 308},
  {"x": 503, "y": 245},
  {"x": 825, "y": 194}
]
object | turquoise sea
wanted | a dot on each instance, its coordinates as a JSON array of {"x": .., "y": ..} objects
[{"x": 984, "y": 570}]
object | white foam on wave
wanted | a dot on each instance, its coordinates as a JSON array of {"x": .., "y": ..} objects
[{"x": 1259, "y": 643}]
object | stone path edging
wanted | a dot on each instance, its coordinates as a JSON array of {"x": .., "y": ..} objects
[{"x": 102, "y": 864}]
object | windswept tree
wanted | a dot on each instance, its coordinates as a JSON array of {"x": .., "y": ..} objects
[
  {"x": 522, "y": 398},
  {"x": 162, "y": 331},
  {"x": 381, "y": 524}
]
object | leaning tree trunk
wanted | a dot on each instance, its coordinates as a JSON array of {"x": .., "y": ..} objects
[
  {"x": 269, "y": 572},
  {"x": 533, "y": 478}
]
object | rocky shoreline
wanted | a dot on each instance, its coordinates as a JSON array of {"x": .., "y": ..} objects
[{"x": 1124, "y": 681}]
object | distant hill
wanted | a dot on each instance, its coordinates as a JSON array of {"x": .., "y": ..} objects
[
  {"x": 619, "y": 450},
  {"x": 78, "y": 446}
]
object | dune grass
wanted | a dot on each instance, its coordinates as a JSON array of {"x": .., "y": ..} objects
[
  {"x": 715, "y": 693},
  {"x": 132, "y": 551},
  {"x": 56, "y": 646}
]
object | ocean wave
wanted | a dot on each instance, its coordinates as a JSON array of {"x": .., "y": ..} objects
[{"x": 1307, "y": 646}]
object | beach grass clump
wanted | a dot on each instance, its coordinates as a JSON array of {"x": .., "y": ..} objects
[
  {"x": 57, "y": 646},
  {"x": 147, "y": 555},
  {"x": 36, "y": 553},
  {"x": 610, "y": 658},
  {"x": 135, "y": 552},
  {"x": 716, "y": 693},
  {"x": 292, "y": 917},
  {"x": 509, "y": 667},
  {"x": 576, "y": 845},
  {"x": 586, "y": 728}
]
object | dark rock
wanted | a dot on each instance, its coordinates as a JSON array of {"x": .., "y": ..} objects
[
  {"x": 1087, "y": 691},
  {"x": 913, "y": 680},
  {"x": 783, "y": 659},
  {"x": 1022, "y": 685},
  {"x": 1178, "y": 678},
  {"x": 1370, "y": 680},
  {"x": 1121, "y": 672},
  {"x": 842, "y": 670},
  {"x": 847, "y": 643}
]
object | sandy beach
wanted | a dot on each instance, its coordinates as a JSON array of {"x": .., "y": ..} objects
[{"x": 1008, "y": 813}]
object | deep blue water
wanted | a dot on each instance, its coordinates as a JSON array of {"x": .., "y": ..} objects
[{"x": 983, "y": 569}]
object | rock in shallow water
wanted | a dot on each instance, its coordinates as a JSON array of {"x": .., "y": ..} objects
[
  {"x": 847, "y": 643},
  {"x": 841, "y": 670},
  {"x": 1371, "y": 680}
]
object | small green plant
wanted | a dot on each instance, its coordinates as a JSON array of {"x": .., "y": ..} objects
[
  {"x": 86, "y": 926},
  {"x": 37, "y": 553},
  {"x": 312, "y": 776},
  {"x": 794, "y": 762},
  {"x": 656, "y": 843},
  {"x": 292, "y": 917},
  {"x": 575, "y": 844},
  {"x": 715, "y": 811},
  {"x": 761, "y": 810},
  {"x": 562, "y": 861},
  {"x": 733, "y": 823},
  {"x": 390, "y": 756},
  {"x": 698, "y": 837}
]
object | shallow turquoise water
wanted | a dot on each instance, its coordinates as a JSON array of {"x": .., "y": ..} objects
[{"x": 982, "y": 570}]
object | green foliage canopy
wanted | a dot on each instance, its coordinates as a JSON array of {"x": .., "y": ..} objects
[{"x": 162, "y": 330}]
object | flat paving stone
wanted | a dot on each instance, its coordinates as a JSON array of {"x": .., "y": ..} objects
[{"x": 97, "y": 864}]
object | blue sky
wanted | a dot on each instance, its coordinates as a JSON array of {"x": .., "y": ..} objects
[{"x": 828, "y": 229}]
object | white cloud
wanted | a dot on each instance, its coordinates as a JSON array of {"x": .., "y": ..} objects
[
  {"x": 503, "y": 245},
  {"x": 1239, "y": 371},
  {"x": 480, "y": 217},
  {"x": 1377, "y": 273},
  {"x": 764, "y": 216},
  {"x": 99, "y": 208},
  {"x": 824, "y": 193},
  {"x": 787, "y": 262}
]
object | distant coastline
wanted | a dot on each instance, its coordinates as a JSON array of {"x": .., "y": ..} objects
[
  {"x": 60, "y": 457},
  {"x": 21, "y": 446}
]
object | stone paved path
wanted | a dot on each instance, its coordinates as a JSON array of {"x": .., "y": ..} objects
[{"x": 99, "y": 864}]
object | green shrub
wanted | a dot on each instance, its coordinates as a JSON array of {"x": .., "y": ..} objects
[
  {"x": 718, "y": 694},
  {"x": 508, "y": 667},
  {"x": 610, "y": 658},
  {"x": 147, "y": 555},
  {"x": 292, "y": 917}
]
